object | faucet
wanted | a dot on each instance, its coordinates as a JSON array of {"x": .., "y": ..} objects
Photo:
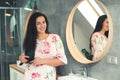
[{"x": 84, "y": 72}]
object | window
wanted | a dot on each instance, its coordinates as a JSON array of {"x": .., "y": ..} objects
[{"x": 91, "y": 11}]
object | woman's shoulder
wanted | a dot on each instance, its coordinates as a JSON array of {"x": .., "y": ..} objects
[
  {"x": 98, "y": 34},
  {"x": 54, "y": 36},
  {"x": 95, "y": 35}
]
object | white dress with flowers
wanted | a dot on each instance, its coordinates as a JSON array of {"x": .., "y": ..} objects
[
  {"x": 52, "y": 47},
  {"x": 98, "y": 44}
]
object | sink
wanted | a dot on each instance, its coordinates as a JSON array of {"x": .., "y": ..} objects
[{"x": 75, "y": 77}]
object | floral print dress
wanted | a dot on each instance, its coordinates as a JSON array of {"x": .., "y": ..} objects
[
  {"x": 98, "y": 44},
  {"x": 52, "y": 47}
]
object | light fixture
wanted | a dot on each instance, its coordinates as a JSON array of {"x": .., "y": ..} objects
[
  {"x": 29, "y": 5},
  {"x": 35, "y": 6},
  {"x": 7, "y": 14}
]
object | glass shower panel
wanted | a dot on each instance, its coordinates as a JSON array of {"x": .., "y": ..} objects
[{"x": 10, "y": 39}]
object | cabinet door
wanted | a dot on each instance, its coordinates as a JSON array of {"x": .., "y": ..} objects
[
  {"x": 16, "y": 75},
  {"x": 20, "y": 76},
  {"x": 13, "y": 75}
]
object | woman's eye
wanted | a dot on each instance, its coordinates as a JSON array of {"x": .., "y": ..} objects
[
  {"x": 44, "y": 22},
  {"x": 37, "y": 23}
]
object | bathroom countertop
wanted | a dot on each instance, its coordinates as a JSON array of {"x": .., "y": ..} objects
[
  {"x": 14, "y": 66},
  {"x": 75, "y": 77}
]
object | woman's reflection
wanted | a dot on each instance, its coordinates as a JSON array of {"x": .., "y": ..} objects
[{"x": 99, "y": 37}]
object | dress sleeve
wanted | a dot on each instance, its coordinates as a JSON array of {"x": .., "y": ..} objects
[
  {"x": 59, "y": 48},
  {"x": 96, "y": 46}
]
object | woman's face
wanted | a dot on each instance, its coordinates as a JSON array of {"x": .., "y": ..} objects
[
  {"x": 105, "y": 25},
  {"x": 41, "y": 24}
]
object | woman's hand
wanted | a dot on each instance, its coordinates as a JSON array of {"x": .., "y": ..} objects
[{"x": 23, "y": 59}]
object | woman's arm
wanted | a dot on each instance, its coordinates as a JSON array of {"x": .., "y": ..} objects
[
  {"x": 97, "y": 46},
  {"x": 47, "y": 61},
  {"x": 58, "y": 59}
]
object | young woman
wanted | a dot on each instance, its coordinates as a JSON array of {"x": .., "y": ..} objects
[
  {"x": 99, "y": 37},
  {"x": 47, "y": 48}
]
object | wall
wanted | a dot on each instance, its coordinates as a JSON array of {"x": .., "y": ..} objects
[{"x": 58, "y": 12}]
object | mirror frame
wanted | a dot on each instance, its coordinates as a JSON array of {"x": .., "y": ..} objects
[
  {"x": 74, "y": 51},
  {"x": 26, "y": 23}
]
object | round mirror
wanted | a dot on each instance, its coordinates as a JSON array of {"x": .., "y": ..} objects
[{"x": 80, "y": 26}]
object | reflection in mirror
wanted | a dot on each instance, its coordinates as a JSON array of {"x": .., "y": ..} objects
[
  {"x": 99, "y": 37},
  {"x": 84, "y": 22},
  {"x": 83, "y": 18}
]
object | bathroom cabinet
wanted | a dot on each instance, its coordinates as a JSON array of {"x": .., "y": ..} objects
[{"x": 16, "y": 73}]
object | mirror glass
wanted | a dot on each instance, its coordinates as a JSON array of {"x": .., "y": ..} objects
[{"x": 81, "y": 24}]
